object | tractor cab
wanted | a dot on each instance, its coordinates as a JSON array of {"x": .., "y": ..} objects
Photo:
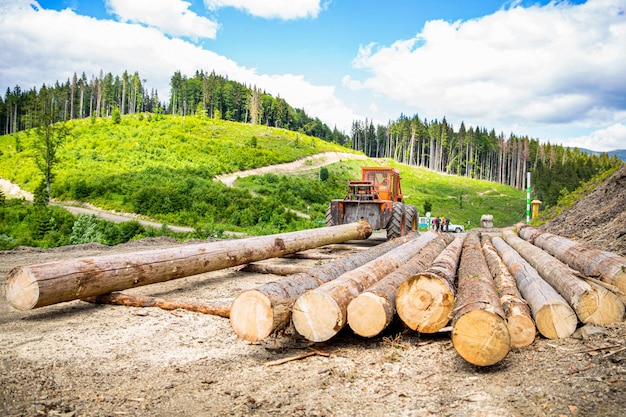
[{"x": 377, "y": 198}]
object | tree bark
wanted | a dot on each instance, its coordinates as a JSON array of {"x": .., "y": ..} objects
[
  {"x": 216, "y": 308},
  {"x": 425, "y": 301},
  {"x": 592, "y": 304},
  {"x": 55, "y": 282},
  {"x": 553, "y": 316},
  {"x": 479, "y": 331},
  {"x": 608, "y": 266},
  {"x": 321, "y": 313},
  {"x": 372, "y": 311},
  {"x": 255, "y": 314},
  {"x": 518, "y": 317}
]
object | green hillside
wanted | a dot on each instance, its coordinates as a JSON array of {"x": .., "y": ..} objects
[
  {"x": 163, "y": 168},
  {"x": 459, "y": 198}
]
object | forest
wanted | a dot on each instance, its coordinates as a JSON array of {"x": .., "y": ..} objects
[
  {"x": 478, "y": 153},
  {"x": 208, "y": 93},
  {"x": 471, "y": 152}
]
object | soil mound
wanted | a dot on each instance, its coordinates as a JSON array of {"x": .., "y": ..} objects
[{"x": 599, "y": 219}]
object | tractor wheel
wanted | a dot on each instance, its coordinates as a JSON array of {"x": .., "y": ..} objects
[
  {"x": 329, "y": 217},
  {"x": 396, "y": 224},
  {"x": 410, "y": 222}
]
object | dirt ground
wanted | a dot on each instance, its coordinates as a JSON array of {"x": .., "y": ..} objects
[{"x": 81, "y": 359}]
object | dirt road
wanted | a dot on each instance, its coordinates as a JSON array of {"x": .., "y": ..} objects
[{"x": 314, "y": 161}]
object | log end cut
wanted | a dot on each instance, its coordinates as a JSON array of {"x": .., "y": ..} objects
[
  {"x": 599, "y": 306},
  {"x": 481, "y": 337},
  {"x": 522, "y": 330},
  {"x": 556, "y": 321},
  {"x": 22, "y": 289},
  {"x": 369, "y": 314},
  {"x": 316, "y": 316},
  {"x": 425, "y": 303},
  {"x": 251, "y": 316}
]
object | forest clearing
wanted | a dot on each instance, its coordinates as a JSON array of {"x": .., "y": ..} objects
[{"x": 80, "y": 358}]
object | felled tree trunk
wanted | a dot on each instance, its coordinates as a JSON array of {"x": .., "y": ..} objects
[
  {"x": 372, "y": 311},
  {"x": 216, "y": 308},
  {"x": 479, "y": 331},
  {"x": 321, "y": 313},
  {"x": 592, "y": 304},
  {"x": 425, "y": 300},
  {"x": 55, "y": 282},
  {"x": 518, "y": 318},
  {"x": 257, "y": 313},
  {"x": 608, "y": 266},
  {"x": 553, "y": 316}
]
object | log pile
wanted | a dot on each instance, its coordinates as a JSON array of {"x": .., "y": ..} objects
[{"x": 495, "y": 291}]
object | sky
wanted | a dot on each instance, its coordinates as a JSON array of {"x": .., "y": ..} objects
[{"x": 551, "y": 70}]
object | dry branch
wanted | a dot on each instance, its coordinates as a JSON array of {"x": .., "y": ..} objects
[
  {"x": 313, "y": 352},
  {"x": 255, "y": 314},
  {"x": 518, "y": 317},
  {"x": 274, "y": 269},
  {"x": 55, "y": 282},
  {"x": 592, "y": 304},
  {"x": 216, "y": 308},
  {"x": 372, "y": 311},
  {"x": 425, "y": 301},
  {"x": 553, "y": 316},
  {"x": 479, "y": 331},
  {"x": 319, "y": 314}
]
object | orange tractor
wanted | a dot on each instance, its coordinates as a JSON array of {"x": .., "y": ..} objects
[{"x": 377, "y": 198}]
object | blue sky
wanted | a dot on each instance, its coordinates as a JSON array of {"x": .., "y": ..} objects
[{"x": 555, "y": 71}]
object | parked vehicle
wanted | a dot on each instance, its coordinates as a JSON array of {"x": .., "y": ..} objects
[{"x": 456, "y": 228}]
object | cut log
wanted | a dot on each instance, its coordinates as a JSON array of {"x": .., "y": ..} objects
[
  {"x": 592, "y": 304},
  {"x": 518, "y": 317},
  {"x": 372, "y": 311},
  {"x": 216, "y": 308},
  {"x": 595, "y": 263},
  {"x": 257, "y": 313},
  {"x": 553, "y": 316},
  {"x": 425, "y": 301},
  {"x": 479, "y": 331},
  {"x": 55, "y": 282},
  {"x": 321, "y": 313}
]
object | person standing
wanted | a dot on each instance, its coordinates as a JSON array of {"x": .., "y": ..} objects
[
  {"x": 437, "y": 223},
  {"x": 447, "y": 224}
]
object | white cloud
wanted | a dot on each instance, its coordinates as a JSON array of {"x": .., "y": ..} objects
[
  {"x": 549, "y": 65},
  {"x": 281, "y": 9},
  {"x": 603, "y": 140},
  {"x": 30, "y": 57},
  {"x": 169, "y": 16}
]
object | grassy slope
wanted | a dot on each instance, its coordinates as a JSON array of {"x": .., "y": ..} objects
[{"x": 172, "y": 150}]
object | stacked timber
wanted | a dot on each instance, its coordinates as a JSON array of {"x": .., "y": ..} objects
[
  {"x": 425, "y": 301},
  {"x": 553, "y": 316},
  {"x": 257, "y": 313},
  {"x": 479, "y": 331},
  {"x": 321, "y": 313},
  {"x": 373, "y": 310},
  {"x": 592, "y": 303},
  {"x": 55, "y": 282},
  {"x": 518, "y": 317},
  {"x": 591, "y": 262}
]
